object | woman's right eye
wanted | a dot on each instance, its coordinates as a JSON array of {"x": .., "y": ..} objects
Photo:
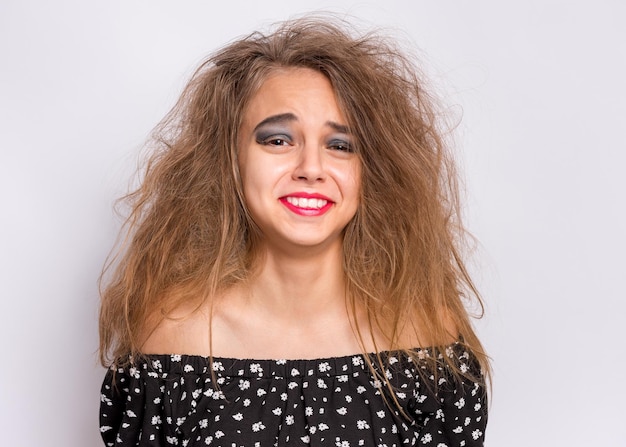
[{"x": 274, "y": 140}]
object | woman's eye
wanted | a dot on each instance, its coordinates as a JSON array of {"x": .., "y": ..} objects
[
  {"x": 342, "y": 146},
  {"x": 278, "y": 142},
  {"x": 274, "y": 141}
]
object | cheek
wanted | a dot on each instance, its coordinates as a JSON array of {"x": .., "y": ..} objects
[{"x": 351, "y": 181}]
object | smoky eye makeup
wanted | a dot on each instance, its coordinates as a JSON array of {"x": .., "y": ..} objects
[
  {"x": 340, "y": 143},
  {"x": 267, "y": 135}
]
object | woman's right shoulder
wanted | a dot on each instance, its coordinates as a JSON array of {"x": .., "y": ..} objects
[{"x": 183, "y": 331}]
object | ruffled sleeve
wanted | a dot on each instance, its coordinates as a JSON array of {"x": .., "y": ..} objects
[
  {"x": 134, "y": 407},
  {"x": 453, "y": 413}
]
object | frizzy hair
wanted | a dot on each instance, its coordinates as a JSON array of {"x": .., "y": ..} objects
[{"x": 189, "y": 235}]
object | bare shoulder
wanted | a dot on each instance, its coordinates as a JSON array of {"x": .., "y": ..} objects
[
  {"x": 184, "y": 331},
  {"x": 420, "y": 336}
]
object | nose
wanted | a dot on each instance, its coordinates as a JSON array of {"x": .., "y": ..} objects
[{"x": 309, "y": 166}]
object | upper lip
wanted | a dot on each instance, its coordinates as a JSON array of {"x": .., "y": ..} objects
[{"x": 308, "y": 195}]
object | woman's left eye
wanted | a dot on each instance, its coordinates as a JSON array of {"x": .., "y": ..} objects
[{"x": 340, "y": 145}]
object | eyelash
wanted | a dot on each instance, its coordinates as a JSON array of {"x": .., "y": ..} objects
[
  {"x": 274, "y": 140},
  {"x": 339, "y": 145}
]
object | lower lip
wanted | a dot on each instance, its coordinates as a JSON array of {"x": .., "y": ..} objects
[{"x": 310, "y": 212}]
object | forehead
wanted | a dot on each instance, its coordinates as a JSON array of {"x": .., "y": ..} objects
[{"x": 298, "y": 90}]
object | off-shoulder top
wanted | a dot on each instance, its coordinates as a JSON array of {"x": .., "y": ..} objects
[{"x": 185, "y": 400}]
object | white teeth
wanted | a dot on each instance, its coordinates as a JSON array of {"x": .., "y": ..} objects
[{"x": 312, "y": 203}]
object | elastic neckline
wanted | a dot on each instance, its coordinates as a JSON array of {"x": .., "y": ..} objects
[{"x": 283, "y": 368}]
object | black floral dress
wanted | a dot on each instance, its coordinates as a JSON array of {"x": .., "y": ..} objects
[{"x": 179, "y": 400}]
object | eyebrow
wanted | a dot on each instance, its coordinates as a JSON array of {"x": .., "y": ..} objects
[{"x": 289, "y": 117}]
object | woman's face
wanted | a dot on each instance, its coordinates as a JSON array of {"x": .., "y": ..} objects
[{"x": 301, "y": 180}]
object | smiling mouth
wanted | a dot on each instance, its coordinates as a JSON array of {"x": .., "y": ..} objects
[{"x": 312, "y": 203}]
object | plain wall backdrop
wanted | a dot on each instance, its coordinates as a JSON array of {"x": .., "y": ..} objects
[{"x": 540, "y": 88}]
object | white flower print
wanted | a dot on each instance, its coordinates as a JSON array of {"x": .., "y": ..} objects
[
  {"x": 323, "y": 367},
  {"x": 427, "y": 438},
  {"x": 156, "y": 420},
  {"x": 277, "y": 411},
  {"x": 289, "y": 420},
  {"x": 204, "y": 423},
  {"x": 256, "y": 368},
  {"x": 348, "y": 398},
  {"x": 308, "y": 411},
  {"x": 238, "y": 416},
  {"x": 357, "y": 361},
  {"x": 362, "y": 425},
  {"x": 476, "y": 434},
  {"x": 306, "y": 439},
  {"x": 219, "y": 434},
  {"x": 258, "y": 426},
  {"x": 246, "y": 402},
  {"x": 380, "y": 414},
  {"x": 188, "y": 368},
  {"x": 342, "y": 411},
  {"x": 244, "y": 384},
  {"x": 360, "y": 389},
  {"x": 283, "y": 397},
  {"x": 321, "y": 384},
  {"x": 322, "y": 426},
  {"x": 175, "y": 358}
]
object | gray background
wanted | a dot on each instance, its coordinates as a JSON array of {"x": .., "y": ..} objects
[{"x": 539, "y": 85}]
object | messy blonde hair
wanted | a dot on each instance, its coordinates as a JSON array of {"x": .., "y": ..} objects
[{"x": 189, "y": 235}]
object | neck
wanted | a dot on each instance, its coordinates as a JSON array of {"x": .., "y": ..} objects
[{"x": 297, "y": 285}]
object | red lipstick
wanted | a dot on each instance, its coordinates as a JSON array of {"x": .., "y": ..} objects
[{"x": 307, "y": 204}]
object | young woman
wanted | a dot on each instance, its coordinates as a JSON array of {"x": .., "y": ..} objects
[{"x": 292, "y": 273}]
